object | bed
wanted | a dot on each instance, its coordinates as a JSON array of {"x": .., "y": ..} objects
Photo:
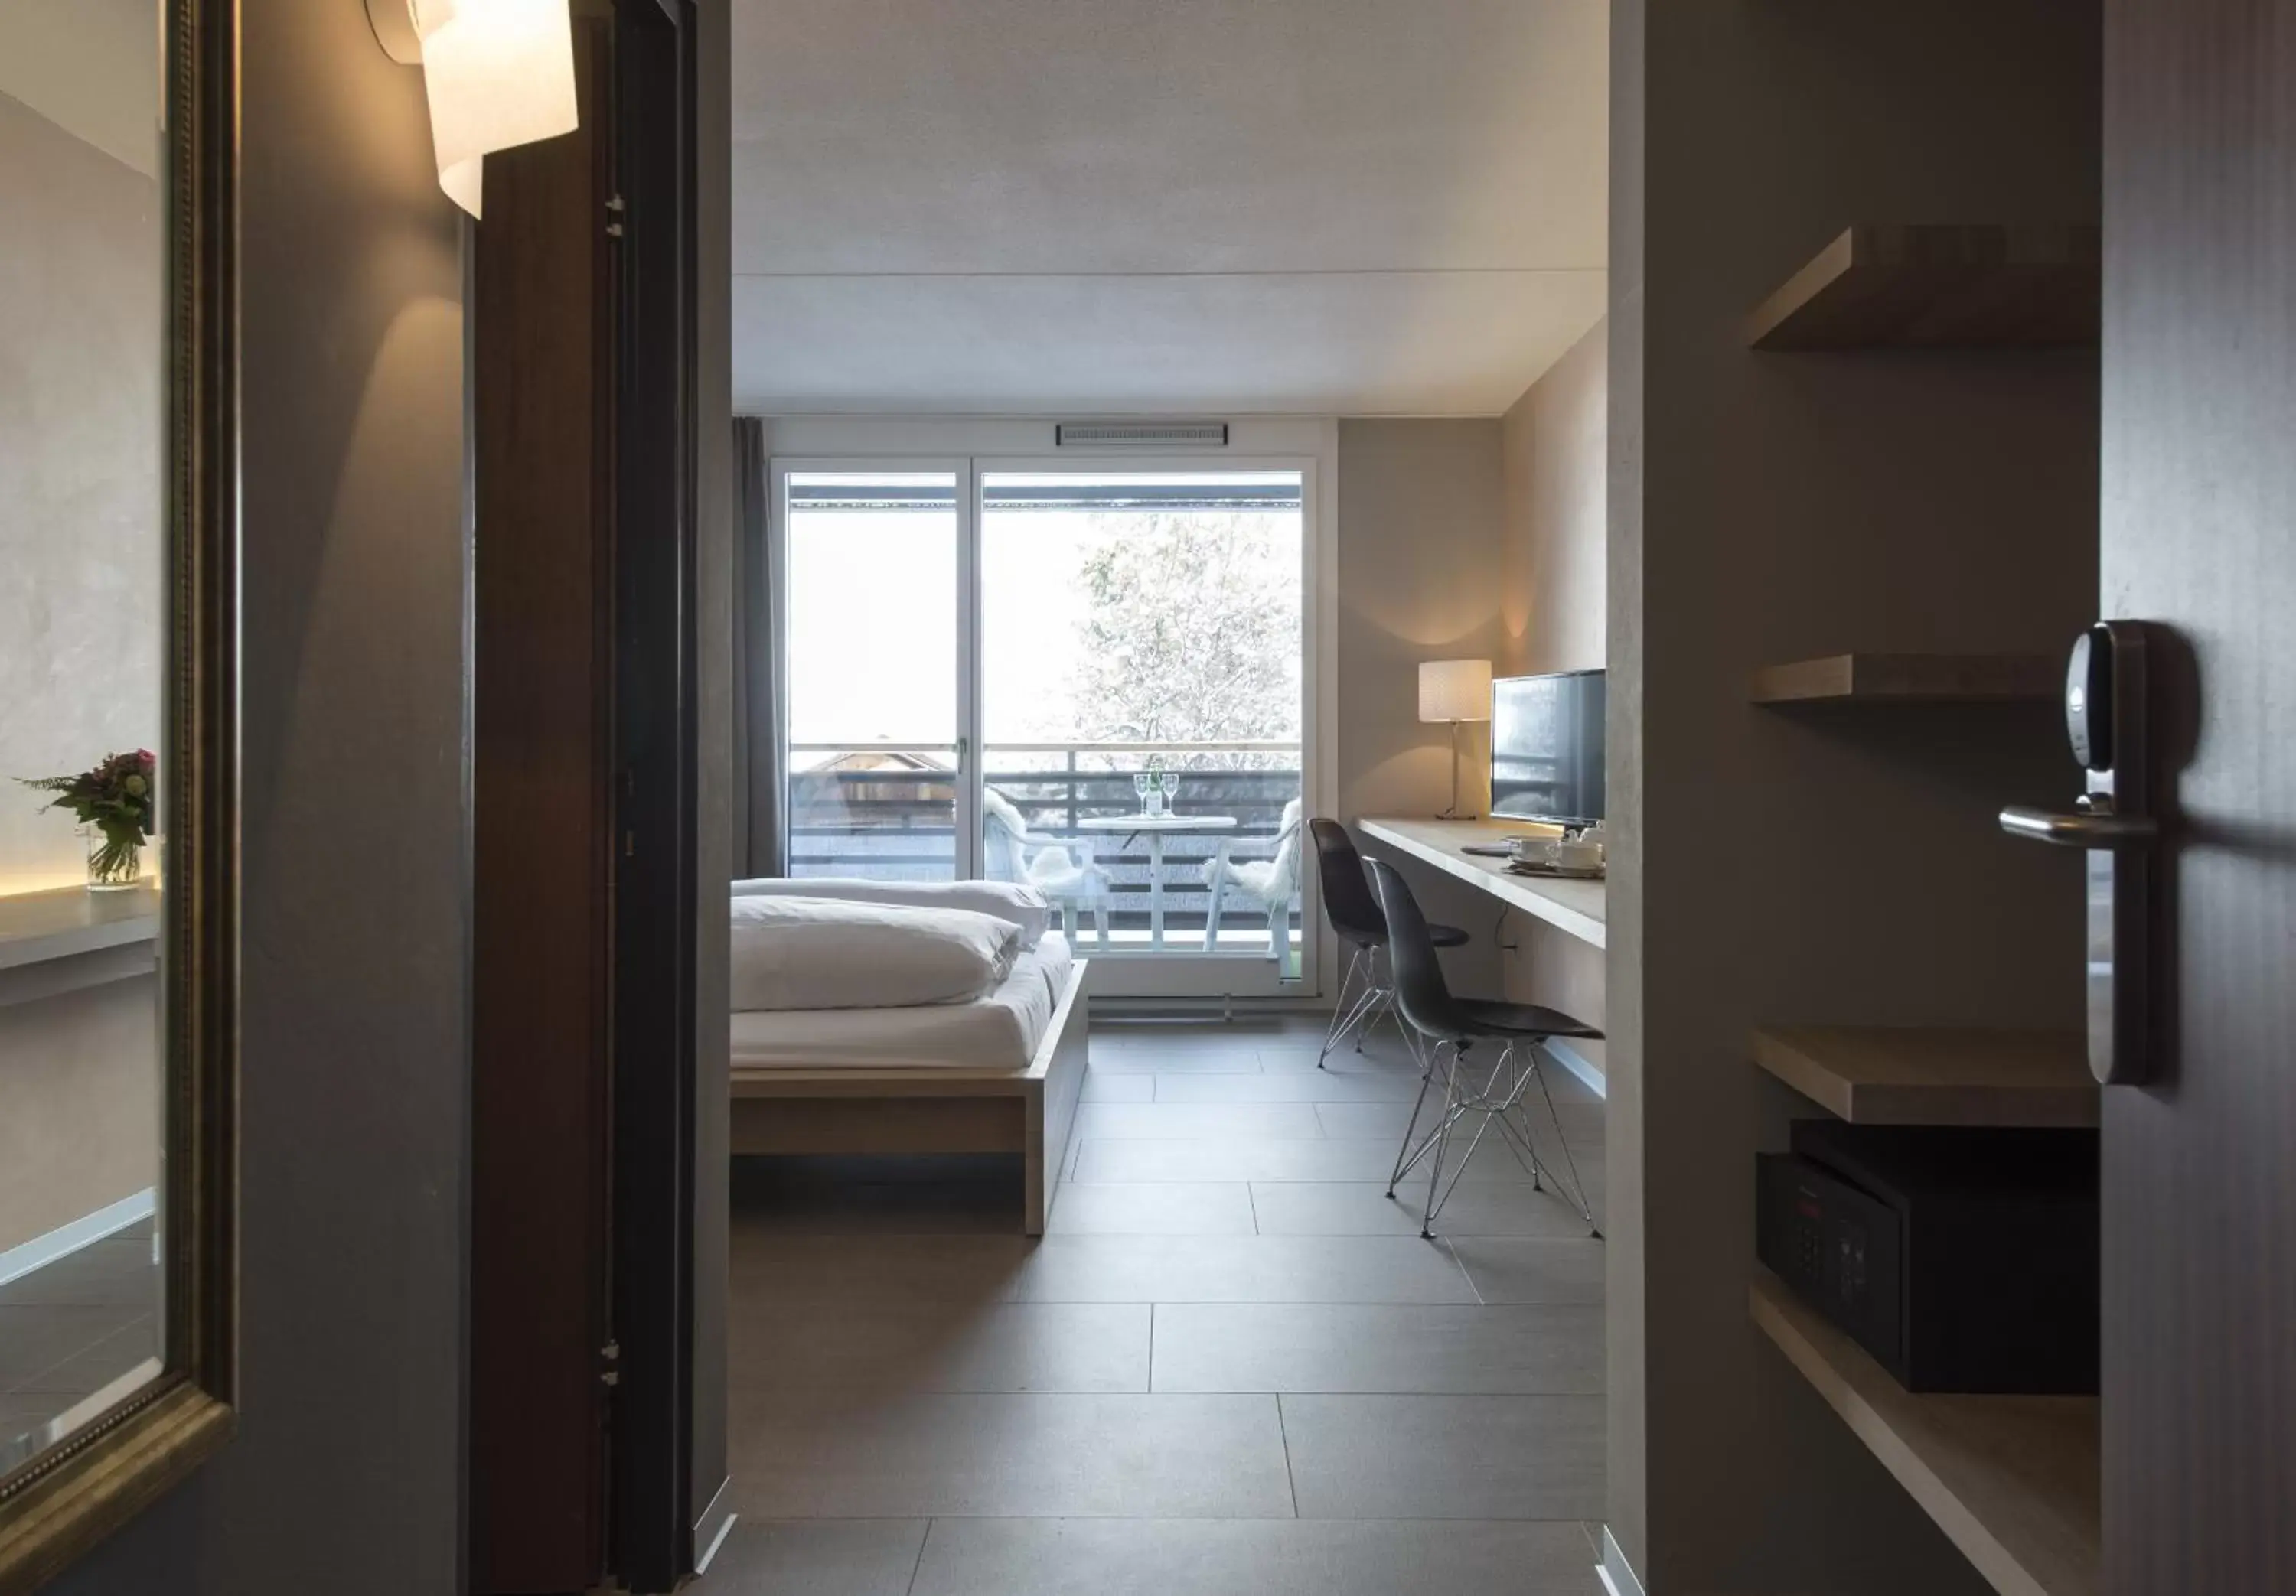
[{"x": 1000, "y": 1074}]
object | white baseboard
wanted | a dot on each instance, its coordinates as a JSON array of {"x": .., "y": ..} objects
[
  {"x": 709, "y": 1532},
  {"x": 1617, "y": 1575},
  {"x": 64, "y": 1241},
  {"x": 1580, "y": 1065}
]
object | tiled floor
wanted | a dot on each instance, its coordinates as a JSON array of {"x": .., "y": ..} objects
[
  {"x": 1232, "y": 1366},
  {"x": 71, "y": 1328}
]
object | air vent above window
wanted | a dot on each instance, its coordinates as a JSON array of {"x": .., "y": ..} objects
[{"x": 1143, "y": 435}]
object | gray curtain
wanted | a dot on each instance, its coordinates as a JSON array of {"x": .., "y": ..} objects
[{"x": 761, "y": 718}]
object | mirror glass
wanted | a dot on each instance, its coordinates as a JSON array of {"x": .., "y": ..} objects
[{"x": 83, "y": 557}]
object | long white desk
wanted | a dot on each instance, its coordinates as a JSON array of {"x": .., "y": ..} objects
[
  {"x": 1577, "y": 908},
  {"x": 69, "y": 938}
]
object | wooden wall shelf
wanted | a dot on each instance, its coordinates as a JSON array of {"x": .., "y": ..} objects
[
  {"x": 2013, "y": 1481},
  {"x": 1939, "y": 287},
  {"x": 1911, "y": 679},
  {"x": 1892, "y": 1075}
]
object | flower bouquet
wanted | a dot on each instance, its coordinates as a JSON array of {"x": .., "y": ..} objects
[{"x": 115, "y": 803}]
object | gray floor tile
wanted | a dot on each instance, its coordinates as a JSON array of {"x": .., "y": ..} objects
[
  {"x": 925, "y": 1346},
  {"x": 1374, "y": 1121},
  {"x": 35, "y": 1338},
  {"x": 1445, "y": 1457},
  {"x": 1201, "y": 1208},
  {"x": 94, "y": 1367},
  {"x": 1290, "y": 1057},
  {"x": 848, "y": 1557},
  {"x": 1364, "y": 1209},
  {"x": 1422, "y": 1350},
  {"x": 1241, "y": 1269},
  {"x": 847, "y": 1269},
  {"x": 1139, "y": 1061},
  {"x": 1568, "y": 1087},
  {"x": 900, "y": 1355},
  {"x": 1269, "y": 1558},
  {"x": 819, "y": 1457},
  {"x": 1289, "y": 1086},
  {"x": 116, "y": 1272},
  {"x": 1271, "y": 1159},
  {"x": 1515, "y": 1269},
  {"x": 1582, "y": 1123},
  {"x": 1197, "y": 1122}
]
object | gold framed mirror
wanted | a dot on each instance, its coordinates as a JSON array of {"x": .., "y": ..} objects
[{"x": 119, "y": 536}]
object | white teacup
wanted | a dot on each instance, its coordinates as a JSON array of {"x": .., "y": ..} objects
[
  {"x": 1534, "y": 850},
  {"x": 1577, "y": 853}
]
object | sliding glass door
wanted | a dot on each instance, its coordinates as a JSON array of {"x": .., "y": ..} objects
[
  {"x": 1124, "y": 645},
  {"x": 873, "y": 672}
]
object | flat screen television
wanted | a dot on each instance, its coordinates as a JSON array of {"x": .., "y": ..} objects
[{"x": 1546, "y": 748}]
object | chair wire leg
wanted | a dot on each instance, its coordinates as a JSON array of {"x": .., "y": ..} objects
[
  {"x": 1349, "y": 1020},
  {"x": 1482, "y": 1102},
  {"x": 1519, "y": 1136},
  {"x": 1341, "y": 1013},
  {"x": 1443, "y": 1137},
  {"x": 1577, "y": 1189},
  {"x": 1405, "y": 1158},
  {"x": 1386, "y": 987}
]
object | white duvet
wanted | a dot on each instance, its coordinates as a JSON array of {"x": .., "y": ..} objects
[
  {"x": 1023, "y": 905},
  {"x": 805, "y": 953}
]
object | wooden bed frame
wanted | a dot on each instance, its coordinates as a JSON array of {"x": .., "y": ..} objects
[{"x": 793, "y": 1109}]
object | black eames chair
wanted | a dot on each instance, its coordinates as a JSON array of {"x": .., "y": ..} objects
[
  {"x": 1364, "y": 993},
  {"x": 1514, "y": 1036}
]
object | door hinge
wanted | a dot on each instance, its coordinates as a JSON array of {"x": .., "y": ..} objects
[
  {"x": 610, "y": 1353},
  {"x": 616, "y": 207},
  {"x": 629, "y": 845}
]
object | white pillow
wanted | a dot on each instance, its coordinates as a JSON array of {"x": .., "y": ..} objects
[
  {"x": 1024, "y": 907},
  {"x": 803, "y": 953}
]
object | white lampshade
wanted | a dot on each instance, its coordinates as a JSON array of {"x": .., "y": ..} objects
[
  {"x": 1452, "y": 690},
  {"x": 499, "y": 73}
]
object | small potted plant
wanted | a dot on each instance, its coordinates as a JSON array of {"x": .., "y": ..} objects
[{"x": 115, "y": 803}]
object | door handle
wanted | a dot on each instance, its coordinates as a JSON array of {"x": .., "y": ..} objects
[
  {"x": 2085, "y": 829},
  {"x": 2108, "y": 720}
]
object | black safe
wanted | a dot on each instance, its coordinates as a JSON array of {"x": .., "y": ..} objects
[{"x": 1964, "y": 1260}]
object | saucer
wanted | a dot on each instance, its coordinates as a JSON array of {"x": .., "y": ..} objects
[{"x": 1555, "y": 871}]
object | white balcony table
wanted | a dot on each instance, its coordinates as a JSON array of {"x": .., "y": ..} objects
[{"x": 1156, "y": 828}]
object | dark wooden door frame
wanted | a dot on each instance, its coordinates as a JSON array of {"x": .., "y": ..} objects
[
  {"x": 583, "y": 404},
  {"x": 541, "y": 1195},
  {"x": 655, "y": 740}
]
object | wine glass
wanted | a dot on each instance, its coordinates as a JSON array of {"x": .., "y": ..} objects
[
  {"x": 1171, "y": 782},
  {"x": 1140, "y": 784}
]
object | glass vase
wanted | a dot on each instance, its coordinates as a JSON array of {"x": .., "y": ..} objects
[{"x": 111, "y": 868}]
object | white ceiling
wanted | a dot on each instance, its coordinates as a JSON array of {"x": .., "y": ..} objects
[{"x": 1304, "y": 206}]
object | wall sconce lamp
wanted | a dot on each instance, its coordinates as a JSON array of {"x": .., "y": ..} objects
[{"x": 498, "y": 73}]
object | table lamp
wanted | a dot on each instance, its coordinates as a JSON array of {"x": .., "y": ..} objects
[{"x": 1452, "y": 691}]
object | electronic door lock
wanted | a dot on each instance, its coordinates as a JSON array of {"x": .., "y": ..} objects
[{"x": 2108, "y": 720}]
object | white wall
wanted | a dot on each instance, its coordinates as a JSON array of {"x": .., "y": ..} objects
[{"x": 1554, "y": 582}]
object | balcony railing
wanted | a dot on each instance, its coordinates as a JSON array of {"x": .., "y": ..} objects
[{"x": 893, "y": 818}]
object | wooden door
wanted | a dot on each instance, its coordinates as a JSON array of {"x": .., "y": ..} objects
[{"x": 2200, "y": 535}]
